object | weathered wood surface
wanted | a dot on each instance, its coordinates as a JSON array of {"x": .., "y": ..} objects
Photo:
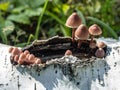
[
  {"x": 56, "y": 47},
  {"x": 102, "y": 74}
]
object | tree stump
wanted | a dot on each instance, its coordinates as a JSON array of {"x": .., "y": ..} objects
[{"x": 64, "y": 73}]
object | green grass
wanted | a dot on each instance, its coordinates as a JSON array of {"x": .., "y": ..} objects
[{"x": 40, "y": 20}]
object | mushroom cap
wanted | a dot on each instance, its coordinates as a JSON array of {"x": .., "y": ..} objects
[
  {"x": 38, "y": 61},
  {"x": 16, "y": 58},
  {"x": 92, "y": 45},
  {"x": 11, "y": 49},
  {"x": 68, "y": 52},
  {"x": 15, "y": 51},
  {"x": 22, "y": 56},
  {"x": 101, "y": 44},
  {"x": 82, "y": 33},
  {"x": 100, "y": 53},
  {"x": 73, "y": 21},
  {"x": 26, "y": 52},
  {"x": 31, "y": 57},
  {"x": 95, "y": 30}
]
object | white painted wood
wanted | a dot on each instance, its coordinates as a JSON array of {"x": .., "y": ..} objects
[{"x": 102, "y": 74}]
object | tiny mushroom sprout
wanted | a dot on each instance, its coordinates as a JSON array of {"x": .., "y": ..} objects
[
  {"x": 22, "y": 58},
  {"x": 14, "y": 51},
  {"x": 38, "y": 61},
  {"x": 81, "y": 34},
  {"x": 11, "y": 49},
  {"x": 73, "y": 22},
  {"x": 68, "y": 52},
  {"x": 101, "y": 44},
  {"x": 92, "y": 45},
  {"x": 100, "y": 53}
]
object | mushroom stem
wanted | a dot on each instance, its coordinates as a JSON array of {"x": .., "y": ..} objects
[
  {"x": 91, "y": 39},
  {"x": 73, "y": 35},
  {"x": 79, "y": 43}
]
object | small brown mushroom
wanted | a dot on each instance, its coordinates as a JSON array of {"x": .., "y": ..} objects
[
  {"x": 68, "y": 52},
  {"x": 100, "y": 53},
  {"x": 16, "y": 51},
  {"x": 94, "y": 30},
  {"x": 31, "y": 57},
  {"x": 101, "y": 44},
  {"x": 92, "y": 45},
  {"x": 73, "y": 21},
  {"x": 11, "y": 49},
  {"x": 38, "y": 61},
  {"x": 27, "y": 56},
  {"x": 22, "y": 58},
  {"x": 26, "y": 52},
  {"x": 16, "y": 58},
  {"x": 81, "y": 34}
]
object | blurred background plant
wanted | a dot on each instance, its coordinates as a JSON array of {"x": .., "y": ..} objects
[{"x": 22, "y": 21}]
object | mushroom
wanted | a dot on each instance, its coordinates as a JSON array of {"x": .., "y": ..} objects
[
  {"x": 38, "y": 61},
  {"x": 100, "y": 53},
  {"x": 73, "y": 22},
  {"x": 68, "y": 52},
  {"x": 11, "y": 49},
  {"x": 15, "y": 51},
  {"x": 94, "y": 30},
  {"x": 81, "y": 34},
  {"x": 22, "y": 58},
  {"x": 101, "y": 44},
  {"x": 26, "y": 52},
  {"x": 92, "y": 45},
  {"x": 16, "y": 58},
  {"x": 31, "y": 57}
]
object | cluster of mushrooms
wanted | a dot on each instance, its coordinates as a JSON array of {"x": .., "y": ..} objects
[
  {"x": 23, "y": 57},
  {"x": 80, "y": 34}
]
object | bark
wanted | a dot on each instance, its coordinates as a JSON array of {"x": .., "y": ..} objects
[
  {"x": 56, "y": 47},
  {"x": 65, "y": 73}
]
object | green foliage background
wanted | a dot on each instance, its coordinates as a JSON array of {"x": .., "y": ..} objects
[{"x": 22, "y": 21}]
